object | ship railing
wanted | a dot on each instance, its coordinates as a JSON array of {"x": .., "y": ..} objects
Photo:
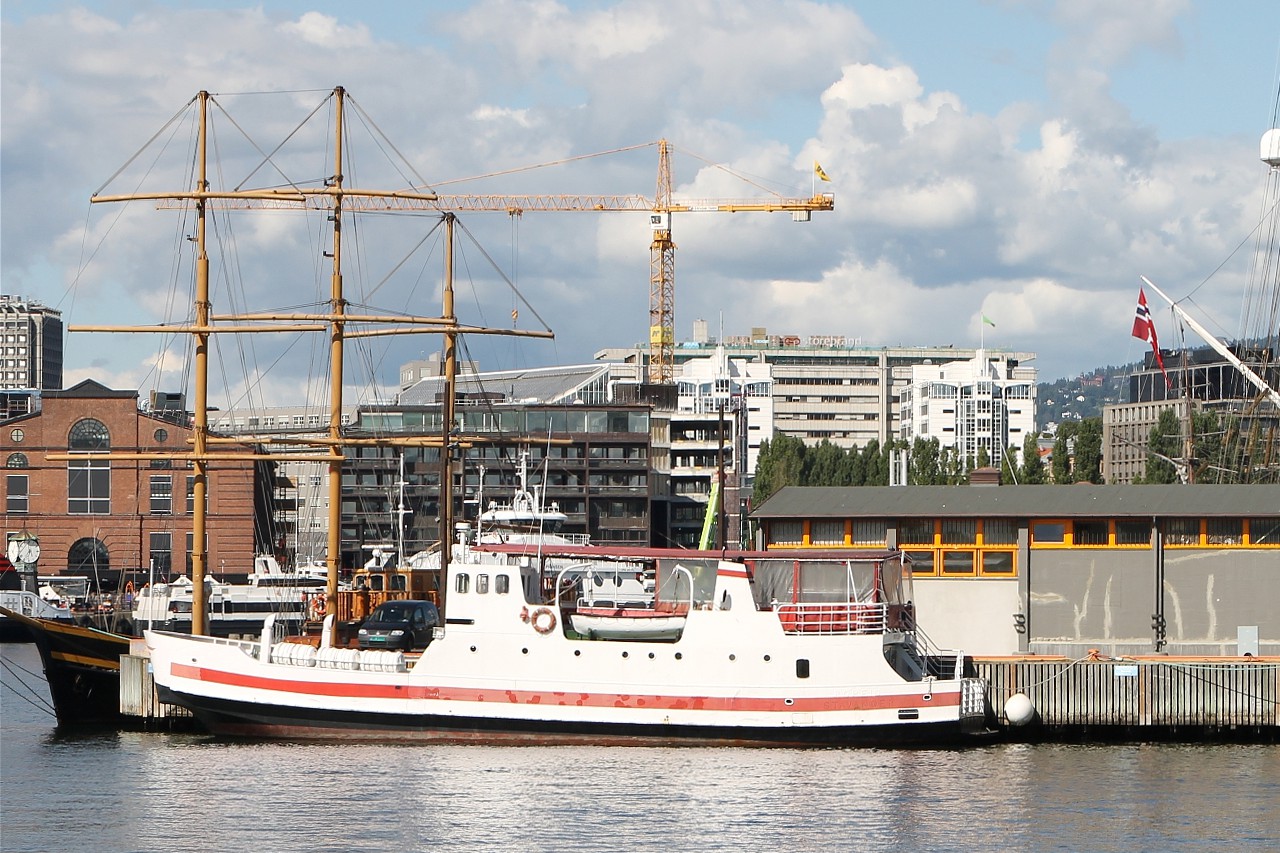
[
  {"x": 848, "y": 617},
  {"x": 940, "y": 663}
]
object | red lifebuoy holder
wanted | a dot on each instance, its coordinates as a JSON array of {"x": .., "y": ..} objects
[{"x": 543, "y": 620}]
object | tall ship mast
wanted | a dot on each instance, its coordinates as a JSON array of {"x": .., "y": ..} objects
[{"x": 334, "y": 196}]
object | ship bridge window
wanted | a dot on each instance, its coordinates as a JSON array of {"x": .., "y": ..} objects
[
  {"x": 482, "y": 584},
  {"x": 502, "y": 584},
  {"x": 462, "y": 583}
]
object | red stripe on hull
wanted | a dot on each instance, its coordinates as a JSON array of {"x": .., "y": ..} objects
[{"x": 557, "y": 698}]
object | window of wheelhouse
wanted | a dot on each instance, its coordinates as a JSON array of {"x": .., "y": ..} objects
[
  {"x": 462, "y": 583},
  {"x": 502, "y": 584}
]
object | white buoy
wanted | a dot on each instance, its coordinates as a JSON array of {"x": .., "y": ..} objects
[{"x": 1018, "y": 709}]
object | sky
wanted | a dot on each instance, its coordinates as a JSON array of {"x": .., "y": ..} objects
[{"x": 1022, "y": 161}]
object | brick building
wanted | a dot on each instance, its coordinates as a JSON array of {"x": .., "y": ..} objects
[{"x": 97, "y": 517}]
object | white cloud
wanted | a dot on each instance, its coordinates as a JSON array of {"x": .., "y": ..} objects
[{"x": 1043, "y": 212}]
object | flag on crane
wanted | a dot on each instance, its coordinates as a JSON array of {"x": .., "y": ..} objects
[
  {"x": 1145, "y": 330},
  {"x": 817, "y": 170}
]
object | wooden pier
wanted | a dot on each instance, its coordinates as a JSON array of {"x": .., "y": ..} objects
[
  {"x": 138, "y": 700},
  {"x": 1156, "y": 697}
]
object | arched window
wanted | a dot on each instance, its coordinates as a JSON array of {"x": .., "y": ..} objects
[
  {"x": 87, "y": 555},
  {"x": 17, "y": 460},
  {"x": 89, "y": 434},
  {"x": 88, "y": 480}
]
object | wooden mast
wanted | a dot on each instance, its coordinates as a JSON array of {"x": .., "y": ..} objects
[
  {"x": 448, "y": 435},
  {"x": 337, "y": 308},
  {"x": 200, "y": 407},
  {"x": 334, "y": 195}
]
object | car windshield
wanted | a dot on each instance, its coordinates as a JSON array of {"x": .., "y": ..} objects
[{"x": 397, "y": 612}]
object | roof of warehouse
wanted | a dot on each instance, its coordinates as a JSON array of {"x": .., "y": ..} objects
[{"x": 1020, "y": 501}]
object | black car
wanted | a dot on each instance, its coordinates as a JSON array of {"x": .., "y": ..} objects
[{"x": 399, "y": 625}]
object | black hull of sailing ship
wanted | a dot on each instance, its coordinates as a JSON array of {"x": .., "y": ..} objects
[
  {"x": 245, "y": 720},
  {"x": 82, "y": 666}
]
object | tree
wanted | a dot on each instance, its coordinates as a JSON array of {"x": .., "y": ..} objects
[
  {"x": 984, "y": 458},
  {"x": 824, "y": 465},
  {"x": 953, "y": 473},
  {"x": 1032, "y": 471},
  {"x": 876, "y": 463},
  {"x": 1088, "y": 455},
  {"x": 925, "y": 462},
  {"x": 781, "y": 464},
  {"x": 1164, "y": 444},
  {"x": 1008, "y": 465},
  {"x": 1061, "y": 459}
]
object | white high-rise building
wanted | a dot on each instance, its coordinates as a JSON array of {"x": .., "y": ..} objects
[{"x": 984, "y": 402}]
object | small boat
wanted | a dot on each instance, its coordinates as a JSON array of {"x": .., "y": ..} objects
[
  {"x": 626, "y": 623},
  {"x": 617, "y": 607},
  {"x": 234, "y": 609}
]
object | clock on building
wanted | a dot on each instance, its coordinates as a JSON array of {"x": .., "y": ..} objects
[{"x": 24, "y": 548}]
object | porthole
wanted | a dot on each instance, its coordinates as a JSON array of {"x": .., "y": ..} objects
[
  {"x": 161, "y": 435},
  {"x": 17, "y": 435}
]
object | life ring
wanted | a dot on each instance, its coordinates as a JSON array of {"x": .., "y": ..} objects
[
  {"x": 543, "y": 620},
  {"x": 316, "y": 609}
]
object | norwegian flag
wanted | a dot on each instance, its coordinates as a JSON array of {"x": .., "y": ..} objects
[{"x": 1145, "y": 330}]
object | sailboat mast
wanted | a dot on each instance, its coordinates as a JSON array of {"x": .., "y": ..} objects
[
  {"x": 337, "y": 307},
  {"x": 200, "y": 419},
  {"x": 447, "y": 413}
]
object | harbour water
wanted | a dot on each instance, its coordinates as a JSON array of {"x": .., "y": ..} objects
[{"x": 178, "y": 792}]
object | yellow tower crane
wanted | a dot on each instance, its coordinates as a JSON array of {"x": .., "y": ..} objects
[{"x": 662, "y": 249}]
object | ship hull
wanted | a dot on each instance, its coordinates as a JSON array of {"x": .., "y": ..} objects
[
  {"x": 82, "y": 666},
  {"x": 229, "y": 718}
]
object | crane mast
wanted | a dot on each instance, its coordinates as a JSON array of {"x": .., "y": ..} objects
[{"x": 662, "y": 275}]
